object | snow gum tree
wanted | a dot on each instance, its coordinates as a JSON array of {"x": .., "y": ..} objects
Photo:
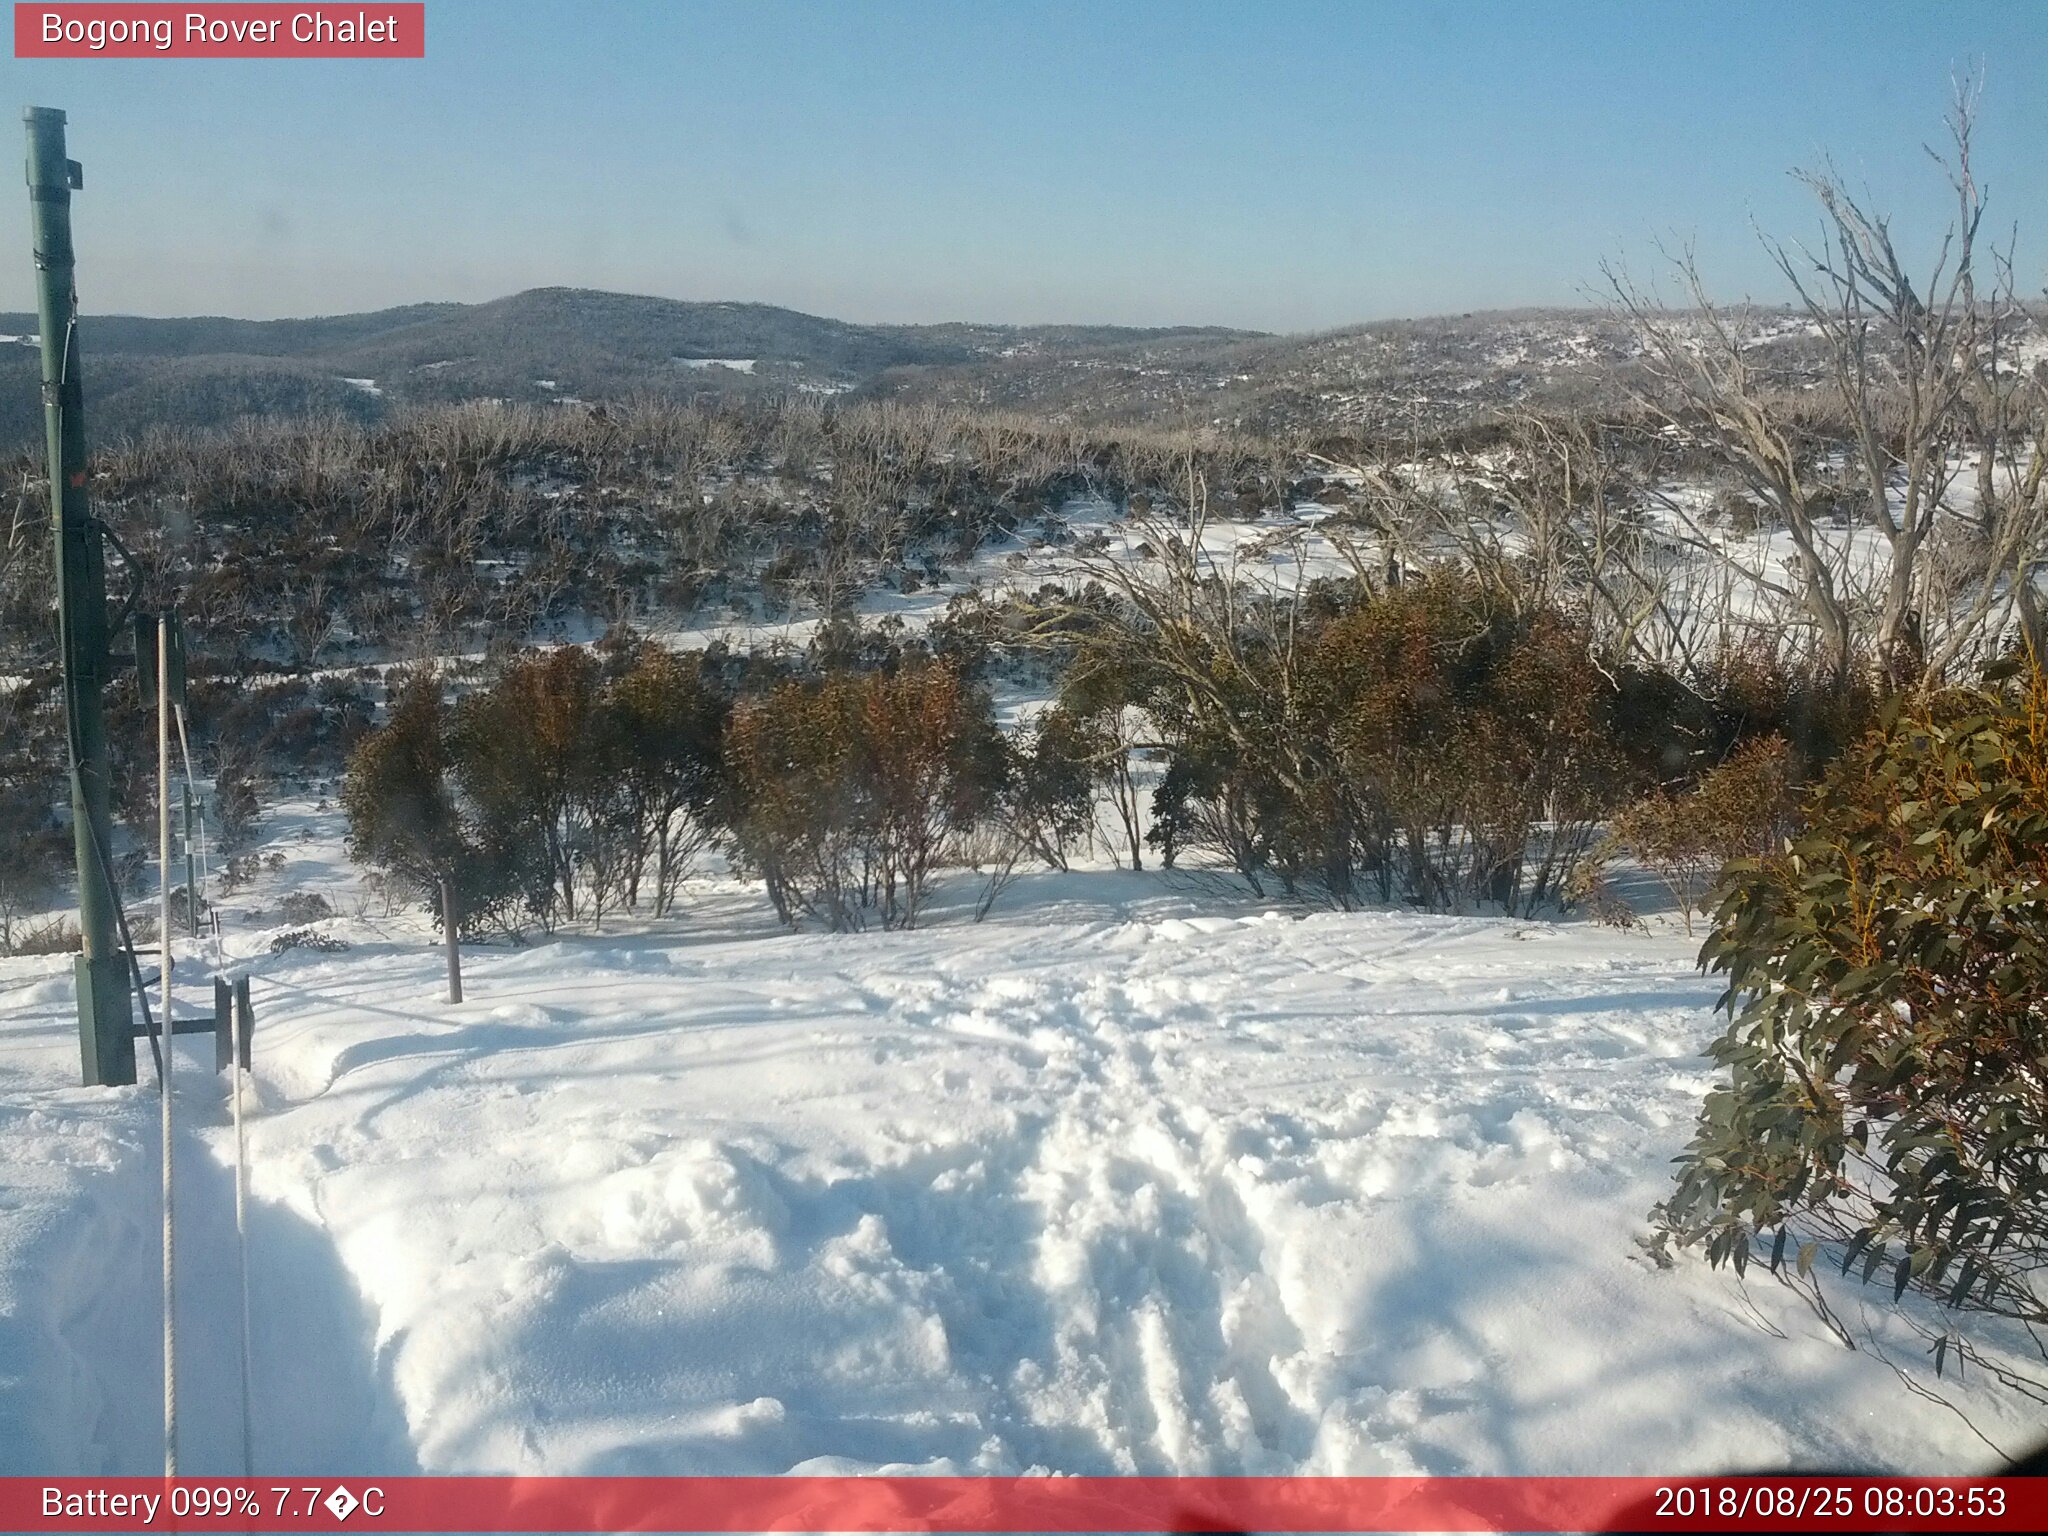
[
  {"x": 1911, "y": 485},
  {"x": 664, "y": 726},
  {"x": 848, "y": 794},
  {"x": 531, "y": 758},
  {"x": 1441, "y": 741},
  {"x": 401, "y": 809},
  {"x": 554, "y": 791}
]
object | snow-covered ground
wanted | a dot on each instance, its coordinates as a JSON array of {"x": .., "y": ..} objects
[{"x": 1138, "y": 1175}]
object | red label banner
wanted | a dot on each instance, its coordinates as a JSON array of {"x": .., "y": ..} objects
[
  {"x": 372, "y": 30},
  {"x": 1016, "y": 1504}
]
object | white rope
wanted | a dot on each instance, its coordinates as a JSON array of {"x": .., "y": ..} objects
[
  {"x": 163, "y": 804},
  {"x": 241, "y": 1044}
]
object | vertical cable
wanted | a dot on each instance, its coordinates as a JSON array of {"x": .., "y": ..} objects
[{"x": 163, "y": 807}]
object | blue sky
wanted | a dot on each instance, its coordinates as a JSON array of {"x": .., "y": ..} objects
[{"x": 1282, "y": 165}]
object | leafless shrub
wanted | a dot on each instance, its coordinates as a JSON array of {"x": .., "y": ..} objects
[
  {"x": 1928, "y": 427},
  {"x": 307, "y": 938},
  {"x": 52, "y": 936}
]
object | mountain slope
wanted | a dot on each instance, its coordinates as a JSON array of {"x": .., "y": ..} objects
[{"x": 542, "y": 344}]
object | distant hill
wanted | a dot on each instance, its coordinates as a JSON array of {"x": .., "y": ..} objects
[
  {"x": 138, "y": 336},
  {"x": 575, "y": 344},
  {"x": 544, "y": 344}
]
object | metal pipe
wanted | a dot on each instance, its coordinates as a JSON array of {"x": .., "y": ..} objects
[{"x": 163, "y": 932}]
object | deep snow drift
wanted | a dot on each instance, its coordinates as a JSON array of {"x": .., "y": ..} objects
[{"x": 1135, "y": 1176}]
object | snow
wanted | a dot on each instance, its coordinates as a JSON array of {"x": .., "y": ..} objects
[
  {"x": 367, "y": 386},
  {"x": 736, "y": 364},
  {"x": 1139, "y": 1175}
]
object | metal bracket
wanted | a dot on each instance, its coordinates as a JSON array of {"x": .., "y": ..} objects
[
  {"x": 128, "y": 603},
  {"x": 231, "y": 1011},
  {"x": 234, "y": 1023}
]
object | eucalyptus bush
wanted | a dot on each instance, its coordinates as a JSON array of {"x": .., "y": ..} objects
[
  {"x": 1886, "y": 1110},
  {"x": 846, "y": 795}
]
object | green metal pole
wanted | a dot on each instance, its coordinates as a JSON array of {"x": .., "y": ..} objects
[{"x": 106, "y": 1044}]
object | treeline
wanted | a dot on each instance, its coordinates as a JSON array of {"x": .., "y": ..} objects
[
  {"x": 579, "y": 782},
  {"x": 322, "y": 542},
  {"x": 1417, "y": 744},
  {"x": 1428, "y": 741},
  {"x": 130, "y": 396},
  {"x": 248, "y": 736}
]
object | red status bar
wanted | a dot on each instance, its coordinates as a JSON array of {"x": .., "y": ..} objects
[{"x": 1017, "y": 1504}]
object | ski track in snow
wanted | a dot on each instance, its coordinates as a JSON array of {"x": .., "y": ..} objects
[{"x": 1121, "y": 1180}]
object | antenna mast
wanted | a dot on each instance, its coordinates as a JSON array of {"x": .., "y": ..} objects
[{"x": 105, "y": 1039}]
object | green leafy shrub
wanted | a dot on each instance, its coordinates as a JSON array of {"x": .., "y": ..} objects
[
  {"x": 308, "y": 938},
  {"x": 536, "y": 769},
  {"x": 1674, "y": 730},
  {"x": 1886, "y": 1111},
  {"x": 1051, "y": 799}
]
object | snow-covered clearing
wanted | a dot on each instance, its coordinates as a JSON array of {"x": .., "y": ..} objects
[{"x": 1135, "y": 1176}]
